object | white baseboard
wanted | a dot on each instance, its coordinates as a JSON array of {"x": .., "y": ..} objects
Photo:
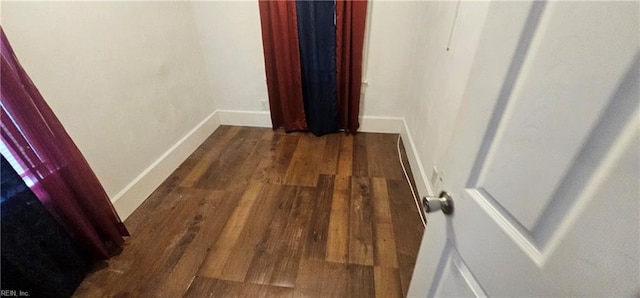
[
  {"x": 419, "y": 175},
  {"x": 381, "y": 124},
  {"x": 245, "y": 118},
  {"x": 263, "y": 119},
  {"x": 132, "y": 196}
]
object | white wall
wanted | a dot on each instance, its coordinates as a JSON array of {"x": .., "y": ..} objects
[
  {"x": 130, "y": 79},
  {"x": 391, "y": 33},
  {"x": 439, "y": 77},
  {"x": 232, "y": 42},
  {"x": 232, "y": 46},
  {"x": 412, "y": 76},
  {"x": 125, "y": 78}
]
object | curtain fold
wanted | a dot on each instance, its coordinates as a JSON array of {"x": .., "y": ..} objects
[
  {"x": 313, "y": 60},
  {"x": 350, "y": 29},
  {"x": 317, "y": 38},
  {"x": 282, "y": 64},
  {"x": 61, "y": 177}
]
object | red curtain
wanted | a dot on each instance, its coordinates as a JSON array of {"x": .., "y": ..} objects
[
  {"x": 58, "y": 173},
  {"x": 350, "y": 24},
  {"x": 282, "y": 63},
  {"x": 283, "y": 68}
]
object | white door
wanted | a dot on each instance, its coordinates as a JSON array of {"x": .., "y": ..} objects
[{"x": 544, "y": 165}]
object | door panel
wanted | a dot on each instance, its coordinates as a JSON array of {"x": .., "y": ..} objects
[
  {"x": 454, "y": 278},
  {"x": 559, "y": 80},
  {"x": 594, "y": 250},
  {"x": 543, "y": 166}
]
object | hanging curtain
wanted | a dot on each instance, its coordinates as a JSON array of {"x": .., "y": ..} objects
[
  {"x": 350, "y": 28},
  {"x": 57, "y": 172},
  {"x": 317, "y": 35},
  {"x": 282, "y": 64},
  {"x": 329, "y": 36}
]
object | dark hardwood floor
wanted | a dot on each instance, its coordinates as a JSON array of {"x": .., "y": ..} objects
[{"x": 255, "y": 212}]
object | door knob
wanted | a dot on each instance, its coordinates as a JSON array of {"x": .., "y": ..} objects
[{"x": 444, "y": 202}]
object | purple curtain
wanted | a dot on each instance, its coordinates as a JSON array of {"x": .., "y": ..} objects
[{"x": 55, "y": 169}]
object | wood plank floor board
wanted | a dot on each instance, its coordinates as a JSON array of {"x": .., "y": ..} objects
[
  {"x": 327, "y": 279},
  {"x": 385, "y": 253},
  {"x": 361, "y": 281},
  {"x": 208, "y": 153},
  {"x": 223, "y": 247},
  {"x": 268, "y": 248},
  {"x": 242, "y": 173},
  {"x": 277, "y": 263},
  {"x": 230, "y": 162},
  {"x": 208, "y": 287},
  {"x": 270, "y": 222},
  {"x": 337, "y": 248},
  {"x": 173, "y": 228},
  {"x": 330, "y": 155},
  {"x": 407, "y": 229},
  {"x": 361, "y": 222},
  {"x": 256, "y": 212},
  {"x": 345, "y": 156},
  {"x": 318, "y": 228},
  {"x": 251, "y": 237},
  {"x": 178, "y": 233},
  {"x": 274, "y": 170},
  {"x": 360, "y": 158},
  {"x": 322, "y": 279},
  {"x": 190, "y": 258},
  {"x": 387, "y": 282},
  {"x": 382, "y": 145},
  {"x": 272, "y": 146},
  {"x": 306, "y": 161}
]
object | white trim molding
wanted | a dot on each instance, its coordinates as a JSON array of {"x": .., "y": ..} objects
[
  {"x": 245, "y": 118},
  {"x": 132, "y": 195},
  {"x": 263, "y": 119},
  {"x": 419, "y": 175},
  {"x": 380, "y": 124}
]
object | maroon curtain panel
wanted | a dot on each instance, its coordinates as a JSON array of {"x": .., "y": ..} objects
[
  {"x": 282, "y": 63},
  {"x": 61, "y": 177},
  {"x": 350, "y": 28}
]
